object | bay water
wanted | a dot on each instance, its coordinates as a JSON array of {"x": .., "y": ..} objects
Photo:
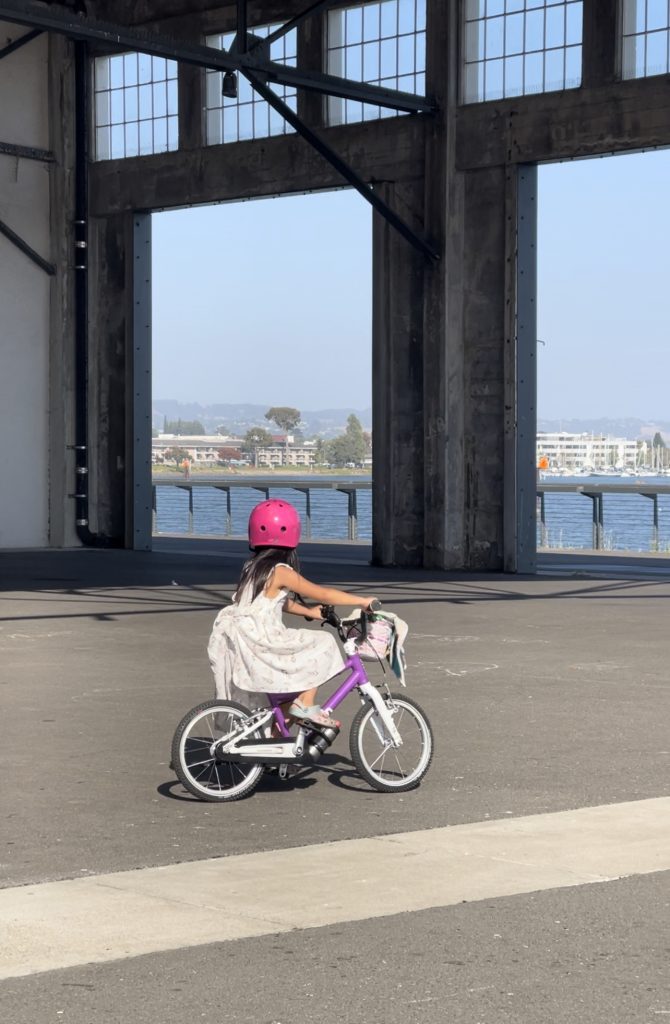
[{"x": 627, "y": 517}]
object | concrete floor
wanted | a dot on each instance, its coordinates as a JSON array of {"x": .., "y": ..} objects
[{"x": 545, "y": 694}]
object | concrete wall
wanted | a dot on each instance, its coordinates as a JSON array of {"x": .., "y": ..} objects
[{"x": 24, "y": 297}]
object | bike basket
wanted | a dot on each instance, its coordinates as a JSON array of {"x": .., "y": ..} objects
[{"x": 376, "y": 644}]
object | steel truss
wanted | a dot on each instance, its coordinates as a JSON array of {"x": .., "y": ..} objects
[
  {"x": 26, "y": 249},
  {"x": 256, "y": 69}
]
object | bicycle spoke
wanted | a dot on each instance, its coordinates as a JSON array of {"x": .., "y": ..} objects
[
  {"x": 387, "y": 766},
  {"x": 206, "y": 771},
  {"x": 196, "y": 764}
]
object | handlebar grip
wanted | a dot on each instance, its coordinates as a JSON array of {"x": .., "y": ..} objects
[{"x": 375, "y": 606}]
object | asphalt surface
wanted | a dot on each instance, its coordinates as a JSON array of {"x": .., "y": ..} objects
[{"x": 545, "y": 693}]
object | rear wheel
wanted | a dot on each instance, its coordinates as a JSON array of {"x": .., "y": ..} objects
[
  {"x": 387, "y": 768},
  {"x": 197, "y": 763}
]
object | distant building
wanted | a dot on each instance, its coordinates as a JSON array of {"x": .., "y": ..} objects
[
  {"x": 563, "y": 452},
  {"x": 201, "y": 451},
  {"x": 276, "y": 455},
  {"x": 204, "y": 451}
]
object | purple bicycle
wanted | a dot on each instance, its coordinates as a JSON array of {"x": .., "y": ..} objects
[{"x": 221, "y": 749}]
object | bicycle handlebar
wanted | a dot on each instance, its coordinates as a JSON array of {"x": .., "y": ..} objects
[{"x": 331, "y": 617}]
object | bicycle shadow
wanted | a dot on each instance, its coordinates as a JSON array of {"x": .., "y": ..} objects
[{"x": 338, "y": 771}]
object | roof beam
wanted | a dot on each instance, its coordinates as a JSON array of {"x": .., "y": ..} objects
[{"x": 362, "y": 187}]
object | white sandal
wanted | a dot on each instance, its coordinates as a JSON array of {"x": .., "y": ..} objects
[{"x": 314, "y": 714}]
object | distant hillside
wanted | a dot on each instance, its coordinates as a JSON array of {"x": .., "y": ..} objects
[
  {"x": 624, "y": 427},
  {"x": 237, "y": 419}
]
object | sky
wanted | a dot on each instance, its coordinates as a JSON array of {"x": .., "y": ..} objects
[
  {"x": 269, "y": 302},
  {"x": 603, "y": 288}
]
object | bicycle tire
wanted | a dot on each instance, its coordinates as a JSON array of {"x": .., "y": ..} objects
[
  {"x": 392, "y": 777},
  {"x": 215, "y": 780}
]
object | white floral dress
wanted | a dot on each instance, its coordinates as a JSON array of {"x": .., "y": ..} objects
[{"x": 252, "y": 652}]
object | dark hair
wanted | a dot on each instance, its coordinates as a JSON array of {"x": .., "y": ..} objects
[{"x": 257, "y": 570}]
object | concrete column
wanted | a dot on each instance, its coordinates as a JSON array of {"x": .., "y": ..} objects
[
  {"x": 311, "y": 55},
  {"x": 600, "y": 42},
  {"x": 110, "y": 376},
  {"x": 62, "y": 483},
  {"x": 464, "y": 331},
  {"x": 397, "y": 390}
]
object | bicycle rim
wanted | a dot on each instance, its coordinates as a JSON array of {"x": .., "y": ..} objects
[
  {"x": 199, "y": 769},
  {"x": 384, "y": 766}
]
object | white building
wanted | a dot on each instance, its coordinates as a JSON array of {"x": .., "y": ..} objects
[
  {"x": 204, "y": 451},
  {"x": 276, "y": 455},
  {"x": 201, "y": 450},
  {"x": 566, "y": 452}
]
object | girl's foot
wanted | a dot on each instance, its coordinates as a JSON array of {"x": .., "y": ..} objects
[{"x": 313, "y": 714}]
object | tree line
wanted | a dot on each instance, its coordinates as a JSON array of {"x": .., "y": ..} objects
[{"x": 350, "y": 448}]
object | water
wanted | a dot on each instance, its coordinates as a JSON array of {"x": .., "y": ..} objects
[
  {"x": 627, "y": 517},
  {"x": 329, "y": 509}
]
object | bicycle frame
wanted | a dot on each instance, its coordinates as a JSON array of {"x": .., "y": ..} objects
[{"x": 288, "y": 747}]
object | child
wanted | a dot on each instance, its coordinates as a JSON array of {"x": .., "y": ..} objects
[{"x": 250, "y": 648}]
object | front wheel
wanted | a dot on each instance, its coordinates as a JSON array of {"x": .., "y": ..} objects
[
  {"x": 387, "y": 768},
  {"x": 196, "y": 762}
]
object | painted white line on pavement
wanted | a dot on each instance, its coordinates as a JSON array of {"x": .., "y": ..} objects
[{"x": 130, "y": 913}]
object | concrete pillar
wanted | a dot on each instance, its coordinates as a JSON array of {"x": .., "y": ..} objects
[
  {"x": 439, "y": 349},
  {"x": 397, "y": 389},
  {"x": 62, "y": 483},
  {"x": 110, "y": 376}
]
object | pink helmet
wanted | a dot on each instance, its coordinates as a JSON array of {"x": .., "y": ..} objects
[{"x": 274, "y": 523}]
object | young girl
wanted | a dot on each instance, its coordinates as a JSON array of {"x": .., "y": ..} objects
[{"x": 250, "y": 650}]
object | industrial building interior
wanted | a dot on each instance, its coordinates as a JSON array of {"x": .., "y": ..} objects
[{"x": 438, "y": 112}]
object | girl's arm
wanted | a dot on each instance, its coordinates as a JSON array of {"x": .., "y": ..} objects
[
  {"x": 289, "y": 579},
  {"x": 295, "y": 608}
]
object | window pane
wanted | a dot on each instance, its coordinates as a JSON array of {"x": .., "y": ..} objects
[
  {"x": 553, "y": 69},
  {"x": 514, "y": 34},
  {"x": 353, "y": 25},
  {"x": 534, "y": 72},
  {"x": 117, "y": 106},
  {"x": 534, "y": 30},
  {"x": 555, "y": 27},
  {"x": 657, "y": 53},
  {"x": 495, "y": 30},
  {"x": 574, "y": 19},
  {"x": 573, "y": 67},
  {"x": 494, "y": 80},
  {"x": 513, "y": 76},
  {"x": 389, "y": 18},
  {"x": 657, "y": 14},
  {"x": 130, "y": 68}
]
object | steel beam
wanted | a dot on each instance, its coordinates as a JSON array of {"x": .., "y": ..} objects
[
  {"x": 27, "y": 152},
  {"x": 18, "y": 43},
  {"x": 26, "y": 249},
  {"x": 292, "y": 23},
  {"x": 30, "y": 12},
  {"x": 361, "y": 186}
]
